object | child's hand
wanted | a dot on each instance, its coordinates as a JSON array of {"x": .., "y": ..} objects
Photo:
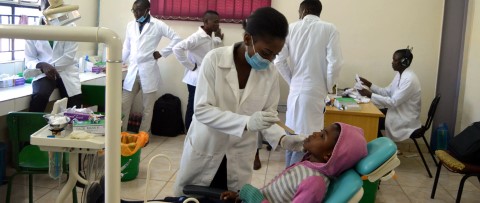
[{"x": 229, "y": 196}]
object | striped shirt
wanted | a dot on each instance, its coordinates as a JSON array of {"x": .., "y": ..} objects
[{"x": 284, "y": 187}]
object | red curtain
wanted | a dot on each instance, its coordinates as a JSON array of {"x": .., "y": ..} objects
[{"x": 231, "y": 11}]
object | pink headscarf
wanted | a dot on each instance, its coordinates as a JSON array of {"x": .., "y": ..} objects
[{"x": 350, "y": 148}]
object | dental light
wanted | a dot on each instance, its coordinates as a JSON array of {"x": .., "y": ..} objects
[{"x": 60, "y": 14}]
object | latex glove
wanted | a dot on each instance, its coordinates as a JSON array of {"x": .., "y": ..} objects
[
  {"x": 261, "y": 120},
  {"x": 293, "y": 142}
]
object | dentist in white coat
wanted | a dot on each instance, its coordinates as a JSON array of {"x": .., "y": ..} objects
[
  {"x": 313, "y": 47},
  {"x": 236, "y": 97},
  {"x": 403, "y": 98},
  {"x": 53, "y": 65},
  {"x": 139, "y": 48}
]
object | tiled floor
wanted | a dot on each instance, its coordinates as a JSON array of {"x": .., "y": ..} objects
[{"x": 412, "y": 183}]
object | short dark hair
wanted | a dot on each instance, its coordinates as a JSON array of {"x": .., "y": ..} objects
[
  {"x": 313, "y": 6},
  {"x": 145, "y": 3},
  {"x": 405, "y": 53},
  {"x": 210, "y": 12},
  {"x": 266, "y": 22}
]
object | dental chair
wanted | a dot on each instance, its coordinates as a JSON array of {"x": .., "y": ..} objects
[{"x": 378, "y": 164}]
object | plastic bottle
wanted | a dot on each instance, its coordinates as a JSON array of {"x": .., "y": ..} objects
[
  {"x": 442, "y": 136},
  {"x": 55, "y": 168}
]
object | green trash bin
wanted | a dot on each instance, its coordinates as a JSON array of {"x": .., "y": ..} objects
[
  {"x": 131, "y": 171},
  {"x": 369, "y": 191}
]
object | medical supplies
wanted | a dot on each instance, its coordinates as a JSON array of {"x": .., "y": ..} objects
[{"x": 7, "y": 80}]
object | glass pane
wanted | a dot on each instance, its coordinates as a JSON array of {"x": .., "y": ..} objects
[
  {"x": 19, "y": 55},
  {"x": 5, "y": 20},
  {"x": 5, "y": 56},
  {"x": 19, "y": 44},
  {"x": 5, "y": 10},
  {"x": 27, "y": 11},
  {"x": 5, "y": 44}
]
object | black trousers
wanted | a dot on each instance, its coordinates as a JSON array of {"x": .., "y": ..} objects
[
  {"x": 189, "y": 112},
  {"x": 220, "y": 179},
  {"x": 43, "y": 88}
]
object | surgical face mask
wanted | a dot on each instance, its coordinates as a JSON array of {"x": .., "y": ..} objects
[
  {"x": 256, "y": 61},
  {"x": 143, "y": 18}
]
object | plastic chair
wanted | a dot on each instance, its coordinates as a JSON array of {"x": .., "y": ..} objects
[
  {"x": 94, "y": 95},
  {"x": 452, "y": 164},
  {"x": 26, "y": 158},
  {"x": 420, "y": 133}
]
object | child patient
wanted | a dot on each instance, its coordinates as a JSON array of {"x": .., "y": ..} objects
[{"x": 328, "y": 154}]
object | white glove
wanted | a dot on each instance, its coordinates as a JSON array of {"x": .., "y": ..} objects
[
  {"x": 293, "y": 142},
  {"x": 261, "y": 120}
]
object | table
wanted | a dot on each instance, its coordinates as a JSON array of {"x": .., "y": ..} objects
[
  {"x": 366, "y": 118},
  {"x": 18, "y": 98},
  {"x": 74, "y": 147}
]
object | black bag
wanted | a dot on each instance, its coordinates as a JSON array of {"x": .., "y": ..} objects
[
  {"x": 466, "y": 145},
  {"x": 167, "y": 116}
]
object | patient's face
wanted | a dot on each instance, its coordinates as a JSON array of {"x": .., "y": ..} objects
[{"x": 321, "y": 144}]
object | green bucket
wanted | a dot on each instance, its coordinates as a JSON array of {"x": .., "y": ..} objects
[
  {"x": 369, "y": 191},
  {"x": 131, "y": 171}
]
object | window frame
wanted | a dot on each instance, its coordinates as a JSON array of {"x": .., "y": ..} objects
[{"x": 11, "y": 21}]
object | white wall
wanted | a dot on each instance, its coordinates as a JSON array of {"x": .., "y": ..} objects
[
  {"x": 370, "y": 31},
  {"x": 88, "y": 11},
  {"x": 468, "y": 111}
]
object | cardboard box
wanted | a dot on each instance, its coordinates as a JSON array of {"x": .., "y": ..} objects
[
  {"x": 77, "y": 116},
  {"x": 88, "y": 126}
]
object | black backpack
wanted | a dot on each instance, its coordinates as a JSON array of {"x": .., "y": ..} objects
[
  {"x": 466, "y": 145},
  {"x": 167, "y": 116}
]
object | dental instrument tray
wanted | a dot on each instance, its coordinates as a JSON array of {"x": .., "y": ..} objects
[{"x": 44, "y": 139}]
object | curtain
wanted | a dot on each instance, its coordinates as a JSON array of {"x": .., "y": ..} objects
[{"x": 230, "y": 11}]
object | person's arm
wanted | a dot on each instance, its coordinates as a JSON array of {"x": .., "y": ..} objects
[
  {"x": 31, "y": 59},
  {"x": 68, "y": 56},
  {"x": 405, "y": 91},
  {"x": 206, "y": 109},
  {"x": 334, "y": 59},
  {"x": 383, "y": 91},
  {"x": 312, "y": 189},
  {"x": 274, "y": 133},
  {"x": 174, "y": 39},
  {"x": 180, "y": 49},
  {"x": 281, "y": 63},
  {"x": 126, "y": 46}
]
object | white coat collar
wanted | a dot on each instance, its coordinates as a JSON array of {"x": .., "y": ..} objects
[
  {"x": 202, "y": 32},
  {"x": 226, "y": 62},
  {"x": 311, "y": 17}
]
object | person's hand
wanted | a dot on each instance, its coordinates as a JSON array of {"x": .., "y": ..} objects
[
  {"x": 261, "y": 120},
  {"x": 365, "y": 92},
  {"x": 49, "y": 70},
  {"x": 156, "y": 55},
  {"x": 366, "y": 82},
  {"x": 229, "y": 196},
  {"x": 293, "y": 142},
  {"x": 219, "y": 33}
]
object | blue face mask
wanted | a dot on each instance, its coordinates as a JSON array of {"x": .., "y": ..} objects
[
  {"x": 256, "y": 61},
  {"x": 143, "y": 18}
]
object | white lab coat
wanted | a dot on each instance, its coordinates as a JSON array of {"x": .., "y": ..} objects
[
  {"x": 313, "y": 48},
  {"x": 61, "y": 57},
  {"x": 197, "y": 45},
  {"x": 138, "y": 49},
  {"x": 403, "y": 98},
  {"x": 221, "y": 116}
]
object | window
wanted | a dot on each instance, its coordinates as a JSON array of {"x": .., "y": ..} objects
[
  {"x": 11, "y": 14},
  {"x": 231, "y": 11}
]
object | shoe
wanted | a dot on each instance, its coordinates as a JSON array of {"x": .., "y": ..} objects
[{"x": 30, "y": 73}]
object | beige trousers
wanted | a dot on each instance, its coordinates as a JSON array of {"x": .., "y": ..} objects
[{"x": 148, "y": 100}]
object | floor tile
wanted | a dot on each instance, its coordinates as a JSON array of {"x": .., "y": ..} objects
[
  {"x": 391, "y": 194},
  {"x": 467, "y": 196},
  {"x": 20, "y": 193},
  {"x": 135, "y": 189},
  {"x": 417, "y": 194}
]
